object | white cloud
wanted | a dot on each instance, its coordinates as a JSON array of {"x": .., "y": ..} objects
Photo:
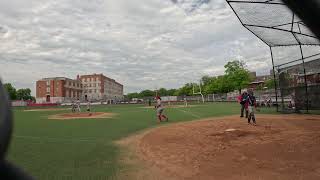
[{"x": 141, "y": 43}]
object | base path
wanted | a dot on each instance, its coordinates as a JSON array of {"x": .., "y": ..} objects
[
  {"x": 281, "y": 147},
  {"x": 82, "y": 115}
]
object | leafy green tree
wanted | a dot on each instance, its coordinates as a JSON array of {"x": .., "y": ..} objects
[
  {"x": 146, "y": 93},
  {"x": 24, "y": 94},
  {"x": 162, "y": 92},
  {"x": 186, "y": 90},
  {"x": 132, "y": 95},
  {"x": 237, "y": 75},
  {"x": 12, "y": 92},
  {"x": 206, "y": 80},
  {"x": 269, "y": 83},
  {"x": 171, "y": 92},
  {"x": 224, "y": 84},
  {"x": 260, "y": 87}
]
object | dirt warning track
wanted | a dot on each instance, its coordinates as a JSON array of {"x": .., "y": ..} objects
[{"x": 283, "y": 147}]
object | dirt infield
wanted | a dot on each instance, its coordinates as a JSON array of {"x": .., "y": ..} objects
[
  {"x": 83, "y": 115},
  {"x": 46, "y": 109},
  {"x": 281, "y": 147}
]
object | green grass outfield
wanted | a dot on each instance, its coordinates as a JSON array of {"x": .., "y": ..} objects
[{"x": 83, "y": 148}]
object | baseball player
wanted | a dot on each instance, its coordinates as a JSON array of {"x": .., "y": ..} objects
[
  {"x": 88, "y": 107},
  {"x": 159, "y": 107},
  {"x": 73, "y": 107},
  {"x": 78, "y": 105},
  {"x": 185, "y": 102},
  {"x": 251, "y": 106}
]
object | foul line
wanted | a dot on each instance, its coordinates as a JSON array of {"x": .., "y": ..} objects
[{"x": 188, "y": 112}]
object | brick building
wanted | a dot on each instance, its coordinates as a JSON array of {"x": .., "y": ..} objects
[
  {"x": 95, "y": 87},
  {"x": 57, "y": 90},
  {"x": 258, "y": 81},
  {"x": 100, "y": 87}
]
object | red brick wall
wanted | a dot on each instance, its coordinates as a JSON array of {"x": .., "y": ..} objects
[
  {"x": 52, "y": 94},
  {"x": 41, "y": 89},
  {"x": 100, "y": 77},
  {"x": 59, "y": 88}
]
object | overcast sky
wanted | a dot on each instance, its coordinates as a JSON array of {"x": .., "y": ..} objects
[{"x": 143, "y": 44}]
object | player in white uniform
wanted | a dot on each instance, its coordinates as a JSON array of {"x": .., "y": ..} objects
[
  {"x": 160, "y": 109},
  {"x": 185, "y": 102},
  {"x": 78, "y": 105}
]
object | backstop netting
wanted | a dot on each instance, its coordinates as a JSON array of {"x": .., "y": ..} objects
[{"x": 295, "y": 51}]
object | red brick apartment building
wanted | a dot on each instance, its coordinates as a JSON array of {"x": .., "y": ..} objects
[
  {"x": 94, "y": 87},
  {"x": 100, "y": 87},
  {"x": 57, "y": 90}
]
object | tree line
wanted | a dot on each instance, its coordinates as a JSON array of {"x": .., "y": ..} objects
[
  {"x": 20, "y": 94},
  {"x": 236, "y": 77}
]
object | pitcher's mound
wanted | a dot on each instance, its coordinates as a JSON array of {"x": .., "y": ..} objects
[{"x": 83, "y": 115}]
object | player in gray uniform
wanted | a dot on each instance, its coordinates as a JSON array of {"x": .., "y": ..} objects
[{"x": 160, "y": 110}]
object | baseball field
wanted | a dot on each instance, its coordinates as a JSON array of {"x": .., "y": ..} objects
[{"x": 118, "y": 141}]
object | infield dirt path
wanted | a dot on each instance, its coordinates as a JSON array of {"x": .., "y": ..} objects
[{"x": 281, "y": 147}]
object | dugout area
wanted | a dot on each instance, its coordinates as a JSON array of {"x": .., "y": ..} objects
[{"x": 294, "y": 51}]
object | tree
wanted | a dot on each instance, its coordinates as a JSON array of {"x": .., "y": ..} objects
[
  {"x": 132, "y": 95},
  {"x": 237, "y": 75},
  {"x": 24, "y": 94},
  {"x": 206, "y": 80},
  {"x": 186, "y": 90},
  {"x": 146, "y": 93},
  {"x": 171, "y": 92},
  {"x": 269, "y": 83},
  {"x": 162, "y": 92},
  {"x": 223, "y": 84},
  {"x": 260, "y": 87},
  {"x": 12, "y": 93}
]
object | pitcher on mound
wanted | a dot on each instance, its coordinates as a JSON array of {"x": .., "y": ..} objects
[{"x": 160, "y": 110}]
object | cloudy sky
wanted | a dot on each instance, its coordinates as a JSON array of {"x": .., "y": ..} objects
[{"x": 144, "y": 44}]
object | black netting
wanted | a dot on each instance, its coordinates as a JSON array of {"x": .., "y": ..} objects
[
  {"x": 291, "y": 86},
  {"x": 295, "y": 50},
  {"x": 285, "y": 54},
  {"x": 262, "y": 14},
  {"x": 268, "y": 36}
]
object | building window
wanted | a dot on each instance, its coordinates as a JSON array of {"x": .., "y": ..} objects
[
  {"x": 94, "y": 85},
  {"x": 48, "y": 83},
  {"x": 95, "y": 91},
  {"x": 90, "y": 91},
  {"x": 48, "y": 89}
]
